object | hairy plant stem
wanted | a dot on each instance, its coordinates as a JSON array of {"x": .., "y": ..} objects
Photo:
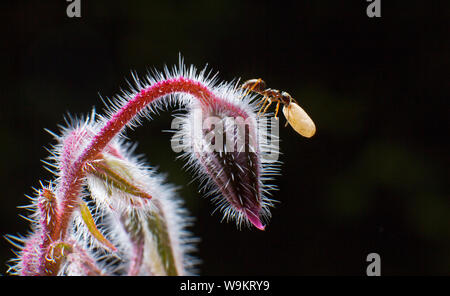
[{"x": 73, "y": 177}]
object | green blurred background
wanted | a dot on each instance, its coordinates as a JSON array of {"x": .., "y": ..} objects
[{"x": 373, "y": 179}]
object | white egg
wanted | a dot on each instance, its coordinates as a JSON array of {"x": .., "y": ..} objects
[{"x": 299, "y": 120}]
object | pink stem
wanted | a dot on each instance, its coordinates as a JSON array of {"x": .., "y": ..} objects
[{"x": 74, "y": 174}]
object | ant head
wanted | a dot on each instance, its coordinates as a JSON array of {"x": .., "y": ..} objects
[{"x": 286, "y": 98}]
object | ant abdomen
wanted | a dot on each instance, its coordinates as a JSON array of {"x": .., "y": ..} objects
[{"x": 255, "y": 85}]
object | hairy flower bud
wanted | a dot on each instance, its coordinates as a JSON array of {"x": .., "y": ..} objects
[
  {"x": 224, "y": 145},
  {"x": 108, "y": 213}
]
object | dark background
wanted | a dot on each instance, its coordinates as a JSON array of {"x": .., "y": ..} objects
[{"x": 373, "y": 179}]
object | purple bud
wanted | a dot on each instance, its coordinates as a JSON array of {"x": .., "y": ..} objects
[{"x": 223, "y": 143}]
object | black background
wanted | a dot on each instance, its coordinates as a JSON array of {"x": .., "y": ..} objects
[{"x": 373, "y": 179}]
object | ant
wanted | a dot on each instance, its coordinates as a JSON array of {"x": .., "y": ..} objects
[{"x": 295, "y": 115}]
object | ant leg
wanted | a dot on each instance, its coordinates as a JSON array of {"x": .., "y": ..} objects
[
  {"x": 264, "y": 100},
  {"x": 248, "y": 91},
  {"x": 287, "y": 120},
  {"x": 276, "y": 110},
  {"x": 270, "y": 103}
]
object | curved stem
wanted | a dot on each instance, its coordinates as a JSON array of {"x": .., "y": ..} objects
[{"x": 74, "y": 174}]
